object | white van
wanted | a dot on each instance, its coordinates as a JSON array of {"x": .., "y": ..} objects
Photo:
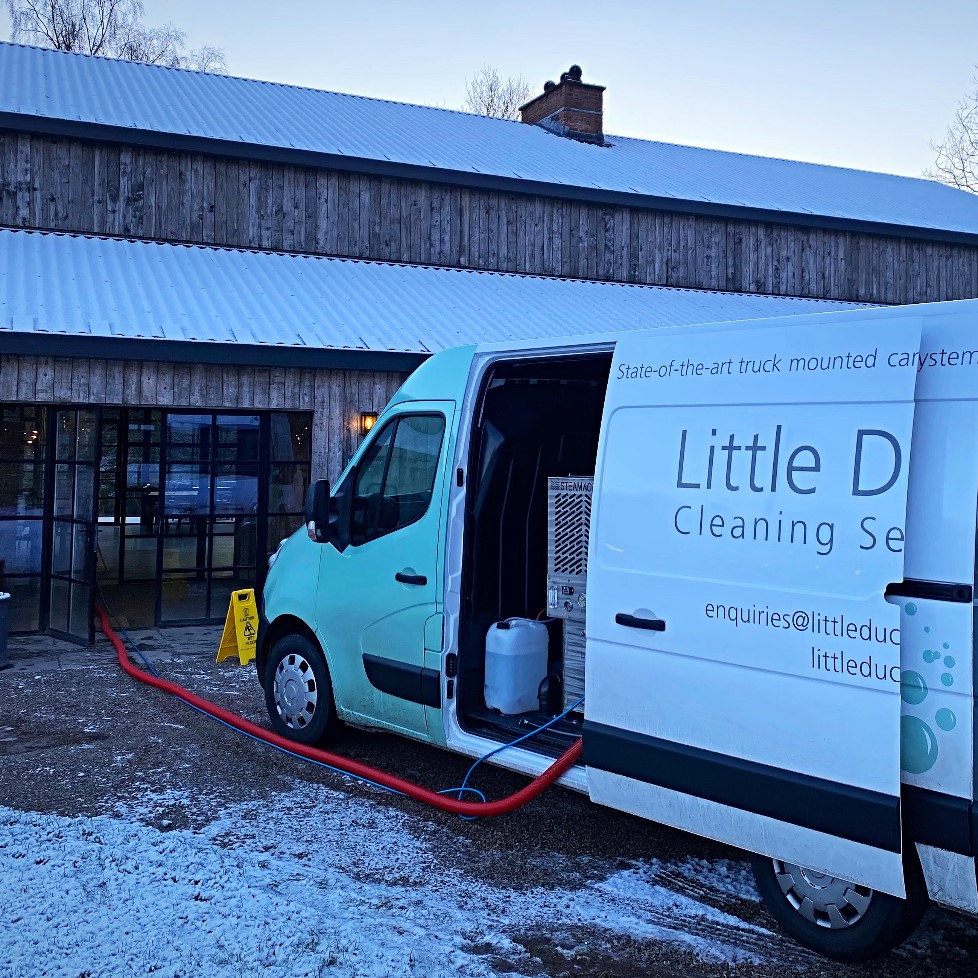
[{"x": 771, "y": 624}]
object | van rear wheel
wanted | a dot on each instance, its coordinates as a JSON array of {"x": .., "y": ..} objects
[
  {"x": 836, "y": 918},
  {"x": 299, "y": 692}
]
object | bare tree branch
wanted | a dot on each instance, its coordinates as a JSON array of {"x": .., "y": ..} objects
[
  {"x": 206, "y": 59},
  {"x": 957, "y": 154},
  {"x": 111, "y": 28},
  {"x": 151, "y": 45},
  {"x": 488, "y": 94}
]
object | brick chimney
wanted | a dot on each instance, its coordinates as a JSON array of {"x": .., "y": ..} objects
[{"x": 569, "y": 108}]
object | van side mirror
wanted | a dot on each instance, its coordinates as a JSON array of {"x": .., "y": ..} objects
[{"x": 317, "y": 511}]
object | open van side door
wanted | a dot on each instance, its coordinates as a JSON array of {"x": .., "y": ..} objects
[
  {"x": 743, "y": 665},
  {"x": 938, "y": 612}
]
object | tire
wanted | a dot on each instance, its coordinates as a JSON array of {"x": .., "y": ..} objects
[
  {"x": 299, "y": 692},
  {"x": 261, "y": 668},
  {"x": 840, "y": 920}
]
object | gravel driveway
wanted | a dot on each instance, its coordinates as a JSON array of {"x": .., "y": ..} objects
[{"x": 130, "y": 785}]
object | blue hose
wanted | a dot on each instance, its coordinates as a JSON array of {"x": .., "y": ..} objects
[
  {"x": 135, "y": 647},
  {"x": 485, "y": 757},
  {"x": 464, "y": 788}
]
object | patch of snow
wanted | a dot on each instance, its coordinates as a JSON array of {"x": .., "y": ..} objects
[
  {"x": 723, "y": 877},
  {"x": 309, "y": 883}
]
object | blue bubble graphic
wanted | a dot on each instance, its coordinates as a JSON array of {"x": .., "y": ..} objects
[
  {"x": 927, "y": 628},
  {"x": 947, "y": 679},
  {"x": 929, "y": 655},
  {"x": 949, "y": 661},
  {"x": 946, "y": 719},
  {"x": 911, "y": 608},
  {"x": 946, "y": 645},
  {"x": 913, "y": 689},
  {"x": 918, "y": 745}
]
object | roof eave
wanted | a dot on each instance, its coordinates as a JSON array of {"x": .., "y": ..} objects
[{"x": 154, "y": 350}]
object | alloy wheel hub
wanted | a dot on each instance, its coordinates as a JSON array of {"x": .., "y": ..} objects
[
  {"x": 295, "y": 691},
  {"x": 824, "y": 900}
]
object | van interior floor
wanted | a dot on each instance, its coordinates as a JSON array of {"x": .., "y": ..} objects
[{"x": 552, "y": 743}]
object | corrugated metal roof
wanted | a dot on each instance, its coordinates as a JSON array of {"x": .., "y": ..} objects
[
  {"x": 85, "y": 286},
  {"x": 79, "y": 88}
]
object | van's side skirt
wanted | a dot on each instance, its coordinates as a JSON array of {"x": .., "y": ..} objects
[
  {"x": 413, "y": 683},
  {"x": 863, "y": 816}
]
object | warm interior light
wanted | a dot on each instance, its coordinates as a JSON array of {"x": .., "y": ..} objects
[{"x": 367, "y": 420}]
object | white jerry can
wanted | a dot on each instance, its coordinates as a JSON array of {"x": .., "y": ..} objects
[{"x": 516, "y": 664}]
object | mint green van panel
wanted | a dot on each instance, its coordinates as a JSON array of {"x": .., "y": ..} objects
[
  {"x": 292, "y": 582},
  {"x": 351, "y": 601},
  {"x": 444, "y": 377},
  {"x": 363, "y": 610},
  {"x": 434, "y": 640}
]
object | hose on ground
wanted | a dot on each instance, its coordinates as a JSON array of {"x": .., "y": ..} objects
[{"x": 502, "y": 806}]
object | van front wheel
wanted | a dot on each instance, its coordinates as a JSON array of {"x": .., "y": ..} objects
[
  {"x": 299, "y": 692},
  {"x": 836, "y": 918}
]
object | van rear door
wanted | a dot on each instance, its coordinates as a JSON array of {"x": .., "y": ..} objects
[
  {"x": 742, "y": 670},
  {"x": 937, "y": 598}
]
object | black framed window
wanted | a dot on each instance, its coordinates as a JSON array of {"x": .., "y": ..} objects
[
  {"x": 168, "y": 511},
  {"x": 233, "y": 485},
  {"x": 137, "y": 481},
  {"x": 72, "y": 488},
  {"x": 23, "y": 438},
  {"x": 290, "y": 456}
]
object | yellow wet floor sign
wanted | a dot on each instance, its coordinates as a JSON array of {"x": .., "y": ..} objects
[{"x": 240, "y": 634}]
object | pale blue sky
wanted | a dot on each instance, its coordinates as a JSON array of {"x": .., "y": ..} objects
[{"x": 861, "y": 83}]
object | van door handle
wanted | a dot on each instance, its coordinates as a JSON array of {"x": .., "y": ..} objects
[
  {"x": 650, "y": 624},
  {"x": 410, "y": 578}
]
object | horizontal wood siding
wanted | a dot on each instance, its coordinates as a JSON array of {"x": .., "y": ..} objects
[
  {"x": 335, "y": 397},
  {"x": 172, "y": 196}
]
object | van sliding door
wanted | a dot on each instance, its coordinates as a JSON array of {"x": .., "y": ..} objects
[{"x": 743, "y": 665}]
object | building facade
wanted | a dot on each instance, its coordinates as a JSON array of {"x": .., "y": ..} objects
[{"x": 185, "y": 349}]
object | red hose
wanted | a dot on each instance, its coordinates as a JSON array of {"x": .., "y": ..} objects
[{"x": 481, "y": 809}]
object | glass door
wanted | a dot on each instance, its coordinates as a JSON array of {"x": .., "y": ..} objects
[
  {"x": 75, "y": 437},
  {"x": 210, "y": 530},
  {"x": 128, "y": 513}
]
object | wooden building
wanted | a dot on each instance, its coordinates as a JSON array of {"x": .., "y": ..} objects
[{"x": 189, "y": 318}]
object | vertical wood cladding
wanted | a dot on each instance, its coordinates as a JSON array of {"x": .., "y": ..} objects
[
  {"x": 336, "y": 397},
  {"x": 146, "y": 193}
]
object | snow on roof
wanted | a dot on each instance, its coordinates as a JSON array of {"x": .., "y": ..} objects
[
  {"x": 77, "y": 285},
  {"x": 81, "y": 89}
]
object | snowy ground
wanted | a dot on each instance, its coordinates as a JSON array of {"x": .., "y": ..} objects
[
  {"x": 137, "y": 838},
  {"x": 326, "y": 885}
]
